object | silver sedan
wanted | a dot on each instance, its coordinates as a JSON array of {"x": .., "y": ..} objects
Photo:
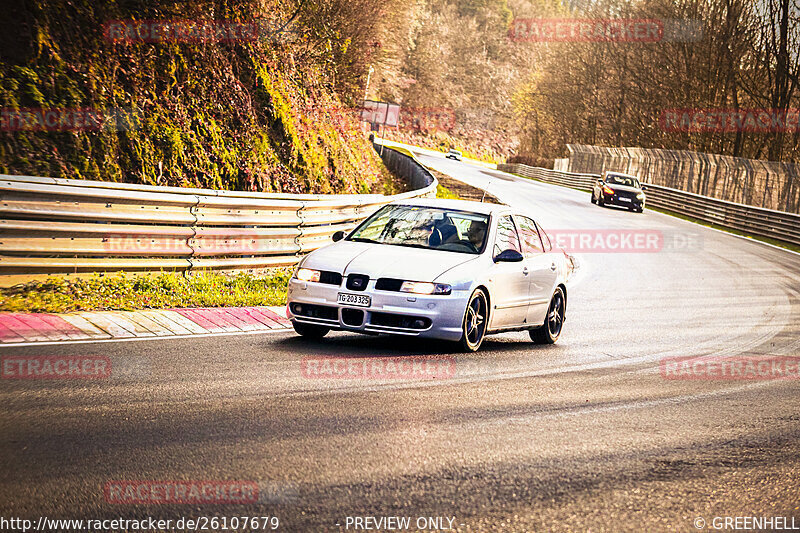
[{"x": 443, "y": 269}]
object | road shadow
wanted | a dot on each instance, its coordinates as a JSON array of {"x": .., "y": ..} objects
[{"x": 346, "y": 345}]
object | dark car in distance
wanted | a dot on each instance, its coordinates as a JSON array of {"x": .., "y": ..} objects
[{"x": 614, "y": 188}]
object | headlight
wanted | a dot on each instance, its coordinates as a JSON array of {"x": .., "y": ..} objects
[
  {"x": 640, "y": 196},
  {"x": 306, "y": 274},
  {"x": 424, "y": 287}
]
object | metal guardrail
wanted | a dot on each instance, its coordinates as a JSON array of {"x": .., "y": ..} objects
[
  {"x": 50, "y": 225},
  {"x": 752, "y": 220},
  {"x": 568, "y": 179},
  {"x": 766, "y": 184}
]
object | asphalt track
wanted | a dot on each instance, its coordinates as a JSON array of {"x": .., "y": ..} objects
[{"x": 587, "y": 434}]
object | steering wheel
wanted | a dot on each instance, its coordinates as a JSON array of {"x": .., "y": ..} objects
[{"x": 461, "y": 243}]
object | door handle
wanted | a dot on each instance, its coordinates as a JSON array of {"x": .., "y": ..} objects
[
  {"x": 553, "y": 266},
  {"x": 525, "y": 271}
]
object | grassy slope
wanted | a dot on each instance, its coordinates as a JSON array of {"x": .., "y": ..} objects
[
  {"x": 227, "y": 115},
  {"x": 128, "y": 292}
]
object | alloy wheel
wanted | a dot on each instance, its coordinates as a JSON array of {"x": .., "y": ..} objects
[{"x": 475, "y": 321}]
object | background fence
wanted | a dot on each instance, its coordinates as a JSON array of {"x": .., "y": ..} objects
[
  {"x": 50, "y": 225},
  {"x": 768, "y": 184},
  {"x": 751, "y": 220}
]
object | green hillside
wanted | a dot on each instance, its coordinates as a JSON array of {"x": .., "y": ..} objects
[{"x": 261, "y": 111}]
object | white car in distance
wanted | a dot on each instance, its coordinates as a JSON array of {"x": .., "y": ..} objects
[{"x": 453, "y": 154}]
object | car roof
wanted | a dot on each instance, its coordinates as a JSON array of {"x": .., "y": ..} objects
[
  {"x": 460, "y": 205},
  {"x": 620, "y": 174}
]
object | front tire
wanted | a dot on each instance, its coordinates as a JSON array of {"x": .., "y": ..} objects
[
  {"x": 310, "y": 331},
  {"x": 476, "y": 318},
  {"x": 593, "y": 200},
  {"x": 549, "y": 332}
]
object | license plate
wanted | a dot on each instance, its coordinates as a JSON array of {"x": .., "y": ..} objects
[
  {"x": 354, "y": 299},
  {"x": 624, "y": 199}
]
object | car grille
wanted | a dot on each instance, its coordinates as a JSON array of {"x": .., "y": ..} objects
[
  {"x": 388, "y": 284},
  {"x": 391, "y": 320},
  {"x": 353, "y": 317},
  {"x": 315, "y": 311},
  {"x": 625, "y": 194},
  {"x": 357, "y": 282}
]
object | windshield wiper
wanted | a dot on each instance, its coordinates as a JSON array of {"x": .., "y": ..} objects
[
  {"x": 362, "y": 239},
  {"x": 438, "y": 249},
  {"x": 412, "y": 245}
]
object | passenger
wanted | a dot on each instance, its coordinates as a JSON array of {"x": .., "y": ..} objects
[{"x": 476, "y": 233}]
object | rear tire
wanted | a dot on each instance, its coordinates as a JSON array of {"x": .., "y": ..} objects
[
  {"x": 549, "y": 332},
  {"x": 310, "y": 331},
  {"x": 476, "y": 318}
]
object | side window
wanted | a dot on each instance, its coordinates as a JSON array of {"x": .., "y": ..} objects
[
  {"x": 506, "y": 236},
  {"x": 531, "y": 243}
]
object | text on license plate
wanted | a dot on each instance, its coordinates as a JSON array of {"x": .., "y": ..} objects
[
  {"x": 624, "y": 199},
  {"x": 354, "y": 299}
]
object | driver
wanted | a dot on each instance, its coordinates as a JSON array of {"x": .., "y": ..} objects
[{"x": 476, "y": 233}]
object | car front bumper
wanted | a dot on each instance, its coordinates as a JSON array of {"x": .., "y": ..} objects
[
  {"x": 400, "y": 313},
  {"x": 616, "y": 200}
]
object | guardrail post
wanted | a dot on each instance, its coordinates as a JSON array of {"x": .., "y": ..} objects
[
  {"x": 193, "y": 212},
  {"x": 300, "y": 227}
]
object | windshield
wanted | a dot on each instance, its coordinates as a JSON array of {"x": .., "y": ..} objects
[
  {"x": 622, "y": 180},
  {"x": 425, "y": 227}
]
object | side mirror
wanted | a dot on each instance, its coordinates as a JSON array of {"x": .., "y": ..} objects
[
  {"x": 338, "y": 236},
  {"x": 644, "y": 187},
  {"x": 508, "y": 256}
]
